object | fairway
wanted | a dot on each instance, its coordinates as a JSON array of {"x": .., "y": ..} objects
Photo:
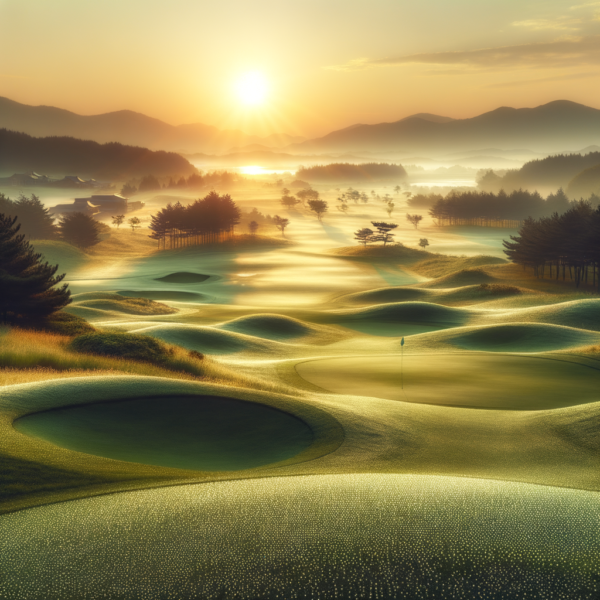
[
  {"x": 203, "y": 433},
  {"x": 465, "y": 380}
]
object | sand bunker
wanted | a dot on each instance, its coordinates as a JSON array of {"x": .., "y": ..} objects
[
  {"x": 183, "y": 277},
  {"x": 204, "y": 433},
  {"x": 269, "y": 326},
  {"x": 468, "y": 380}
]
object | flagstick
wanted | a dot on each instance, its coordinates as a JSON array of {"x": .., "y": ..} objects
[{"x": 402, "y": 364}]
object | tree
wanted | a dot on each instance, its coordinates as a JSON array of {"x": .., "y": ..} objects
[
  {"x": 118, "y": 220},
  {"x": 414, "y": 219},
  {"x": 389, "y": 209},
  {"x": 289, "y": 201},
  {"x": 128, "y": 189},
  {"x": 149, "y": 183},
  {"x": 364, "y": 236},
  {"x": 384, "y": 232},
  {"x": 397, "y": 189},
  {"x": 79, "y": 229},
  {"x": 307, "y": 195},
  {"x": 281, "y": 223},
  {"x": 285, "y": 192},
  {"x": 134, "y": 223},
  {"x": 253, "y": 226},
  {"x": 343, "y": 205},
  {"x": 319, "y": 207},
  {"x": 26, "y": 282},
  {"x": 423, "y": 242}
]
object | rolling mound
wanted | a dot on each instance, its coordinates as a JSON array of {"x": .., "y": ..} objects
[
  {"x": 207, "y": 340},
  {"x": 269, "y": 326},
  {"x": 165, "y": 295},
  {"x": 580, "y": 314},
  {"x": 521, "y": 337},
  {"x": 67, "y": 257},
  {"x": 130, "y": 306},
  {"x": 183, "y": 277},
  {"x": 203, "y": 433},
  {"x": 407, "y": 312},
  {"x": 386, "y": 295},
  {"x": 460, "y": 279}
]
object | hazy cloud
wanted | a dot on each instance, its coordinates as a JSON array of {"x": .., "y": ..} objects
[
  {"x": 559, "y": 53},
  {"x": 522, "y": 82},
  {"x": 559, "y": 24}
]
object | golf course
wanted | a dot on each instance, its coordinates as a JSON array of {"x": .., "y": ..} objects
[{"x": 313, "y": 419}]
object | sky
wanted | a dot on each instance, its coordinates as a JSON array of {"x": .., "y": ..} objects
[{"x": 325, "y": 64}]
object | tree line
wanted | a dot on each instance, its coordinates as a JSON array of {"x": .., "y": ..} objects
[
  {"x": 496, "y": 210},
  {"x": 210, "y": 219},
  {"x": 563, "y": 245},
  {"x": 352, "y": 172}
]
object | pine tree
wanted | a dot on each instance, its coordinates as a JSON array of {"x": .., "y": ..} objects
[
  {"x": 79, "y": 229},
  {"x": 35, "y": 219},
  {"x": 26, "y": 283}
]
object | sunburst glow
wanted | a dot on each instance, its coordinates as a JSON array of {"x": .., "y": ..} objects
[{"x": 252, "y": 88}]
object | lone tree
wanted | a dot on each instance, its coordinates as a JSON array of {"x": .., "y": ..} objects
[
  {"x": 423, "y": 242},
  {"x": 319, "y": 207},
  {"x": 118, "y": 220},
  {"x": 384, "y": 232},
  {"x": 289, "y": 201},
  {"x": 281, "y": 223},
  {"x": 364, "y": 236},
  {"x": 79, "y": 229},
  {"x": 253, "y": 226},
  {"x": 414, "y": 219},
  {"x": 389, "y": 208},
  {"x": 26, "y": 282},
  {"x": 134, "y": 223},
  {"x": 307, "y": 195}
]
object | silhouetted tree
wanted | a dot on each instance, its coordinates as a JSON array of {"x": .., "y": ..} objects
[
  {"x": 134, "y": 223},
  {"x": 128, "y": 189},
  {"x": 149, "y": 183},
  {"x": 414, "y": 219},
  {"x": 281, "y": 223},
  {"x": 319, "y": 207},
  {"x": 79, "y": 229},
  {"x": 423, "y": 242},
  {"x": 384, "y": 232},
  {"x": 36, "y": 221},
  {"x": 389, "y": 208},
  {"x": 253, "y": 226},
  {"x": 118, "y": 220},
  {"x": 289, "y": 201},
  {"x": 364, "y": 236},
  {"x": 27, "y": 283}
]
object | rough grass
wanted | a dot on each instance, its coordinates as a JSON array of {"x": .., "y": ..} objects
[
  {"x": 394, "y": 251},
  {"x": 27, "y": 355},
  {"x": 61, "y": 323},
  {"x": 121, "y": 303},
  {"x": 441, "y": 265},
  {"x": 123, "y": 345}
]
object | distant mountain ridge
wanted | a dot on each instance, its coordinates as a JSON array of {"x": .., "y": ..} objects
[
  {"x": 549, "y": 127},
  {"x": 127, "y": 127}
]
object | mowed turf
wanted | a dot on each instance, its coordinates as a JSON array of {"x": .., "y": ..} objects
[
  {"x": 463, "y": 380},
  {"x": 333, "y": 536},
  {"x": 203, "y": 433}
]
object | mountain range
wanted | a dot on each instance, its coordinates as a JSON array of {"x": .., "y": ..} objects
[
  {"x": 128, "y": 127},
  {"x": 554, "y": 127}
]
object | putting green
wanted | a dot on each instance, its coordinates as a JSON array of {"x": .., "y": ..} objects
[
  {"x": 331, "y": 536},
  {"x": 204, "y": 433},
  {"x": 466, "y": 380}
]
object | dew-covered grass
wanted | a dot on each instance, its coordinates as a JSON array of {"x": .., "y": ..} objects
[{"x": 334, "y": 536}]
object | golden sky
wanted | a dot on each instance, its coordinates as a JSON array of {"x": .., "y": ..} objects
[{"x": 327, "y": 64}]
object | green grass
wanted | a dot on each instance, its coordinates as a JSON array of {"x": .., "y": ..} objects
[{"x": 123, "y": 345}]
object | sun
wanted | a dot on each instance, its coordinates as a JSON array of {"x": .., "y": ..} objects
[{"x": 252, "y": 88}]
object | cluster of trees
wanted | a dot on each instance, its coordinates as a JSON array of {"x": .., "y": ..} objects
[
  {"x": 352, "y": 172},
  {"x": 150, "y": 183},
  {"x": 27, "y": 283},
  {"x": 568, "y": 245},
  {"x": 553, "y": 171},
  {"x": 210, "y": 219},
  {"x": 383, "y": 234},
  {"x": 35, "y": 220},
  {"x": 495, "y": 210},
  {"x": 20, "y": 152}
]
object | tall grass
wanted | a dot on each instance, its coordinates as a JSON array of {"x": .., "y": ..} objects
[{"x": 28, "y": 355}]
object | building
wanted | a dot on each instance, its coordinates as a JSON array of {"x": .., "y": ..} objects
[{"x": 111, "y": 204}]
